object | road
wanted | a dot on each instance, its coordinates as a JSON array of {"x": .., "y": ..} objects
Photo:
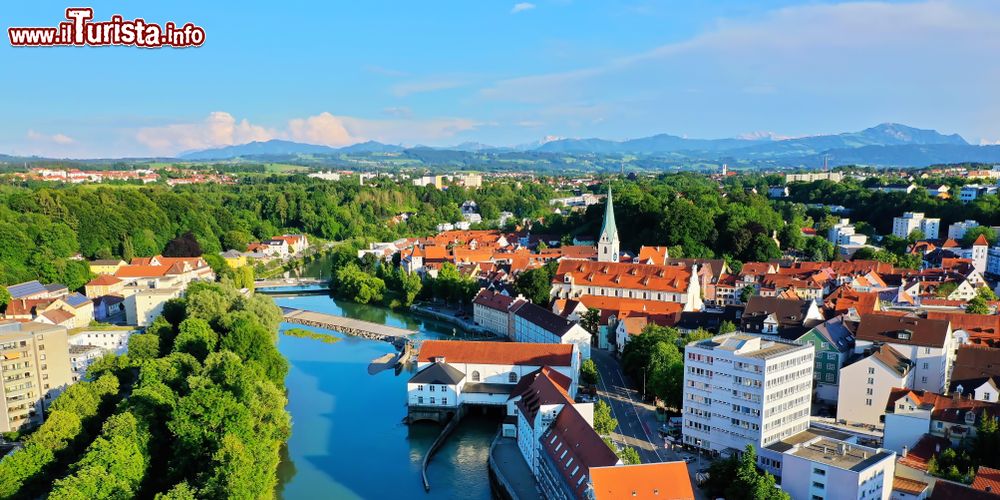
[
  {"x": 637, "y": 425},
  {"x": 634, "y": 426}
]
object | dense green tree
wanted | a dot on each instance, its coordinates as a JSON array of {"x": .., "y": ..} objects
[
  {"x": 144, "y": 346},
  {"x": 977, "y": 305},
  {"x": 588, "y": 372},
  {"x": 604, "y": 423},
  {"x": 195, "y": 337},
  {"x": 629, "y": 456},
  {"x": 535, "y": 284},
  {"x": 591, "y": 321}
]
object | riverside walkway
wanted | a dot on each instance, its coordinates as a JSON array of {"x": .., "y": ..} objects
[{"x": 398, "y": 337}]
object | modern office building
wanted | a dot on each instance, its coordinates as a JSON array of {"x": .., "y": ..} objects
[
  {"x": 35, "y": 368},
  {"x": 744, "y": 389}
]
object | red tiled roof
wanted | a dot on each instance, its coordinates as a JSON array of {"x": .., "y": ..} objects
[
  {"x": 656, "y": 481},
  {"x": 58, "y": 316},
  {"x": 923, "y": 451},
  {"x": 944, "y": 408},
  {"x": 987, "y": 478},
  {"x": 656, "y": 255},
  {"x": 572, "y": 442},
  {"x": 103, "y": 280},
  {"x": 947, "y": 490},
  {"x": 493, "y": 300},
  {"x": 907, "y": 485},
  {"x": 624, "y": 275},
  {"x": 141, "y": 271},
  {"x": 879, "y": 327},
  {"x": 981, "y": 241},
  {"x": 500, "y": 353},
  {"x": 976, "y": 324}
]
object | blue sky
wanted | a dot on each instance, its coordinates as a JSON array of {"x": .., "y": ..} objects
[{"x": 501, "y": 72}]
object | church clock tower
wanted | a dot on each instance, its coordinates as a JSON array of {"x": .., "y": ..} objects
[{"x": 607, "y": 244}]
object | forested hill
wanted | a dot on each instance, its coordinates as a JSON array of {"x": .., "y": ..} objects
[{"x": 43, "y": 228}]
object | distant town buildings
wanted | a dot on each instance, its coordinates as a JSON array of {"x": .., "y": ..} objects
[{"x": 814, "y": 176}]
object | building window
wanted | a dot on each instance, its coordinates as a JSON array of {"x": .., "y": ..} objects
[
  {"x": 927, "y": 350},
  {"x": 432, "y": 399},
  {"x": 923, "y": 380},
  {"x": 444, "y": 401},
  {"x": 512, "y": 377},
  {"x": 420, "y": 400},
  {"x": 432, "y": 389},
  {"x": 475, "y": 376},
  {"x": 927, "y": 365},
  {"x": 443, "y": 388},
  {"x": 868, "y": 402},
  {"x": 871, "y": 370},
  {"x": 871, "y": 380},
  {"x": 420, "y": 387}
]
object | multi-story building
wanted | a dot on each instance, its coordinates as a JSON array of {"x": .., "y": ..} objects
[
  {"x": 814, "y": 176},
  {"x": 970, "y": 192},
  {"x": 81, "y": 357},
  {"x": 911, "y": 221},
  {"x": 928, "y": 343},
  {"x": 843, "y": 233},
  {"x": 909, "y": 415},
  {"x": 491, "y": 310},
  {"x": 957, "y": 230},
  {"x": 535, "y": 324},
  {"x": 823, "y": 468},
  {"x": 867, "y": 380},
  {"x": 834, "y": 342},
  {"x": 34, "y": 369},
  {"x": 744, "y": 389}
]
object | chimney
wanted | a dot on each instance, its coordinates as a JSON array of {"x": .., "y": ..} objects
[
  {"x": 906, "y": 451},
  {"x": 841, "y": 449}
]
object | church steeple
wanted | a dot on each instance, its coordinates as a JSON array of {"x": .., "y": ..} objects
[{"x": 607, "y": 244}]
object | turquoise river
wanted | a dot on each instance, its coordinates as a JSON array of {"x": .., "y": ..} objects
[{"x": 348, "y": 436}]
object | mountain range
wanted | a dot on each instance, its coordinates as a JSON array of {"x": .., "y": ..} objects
[{"x": 887, "y": 144}]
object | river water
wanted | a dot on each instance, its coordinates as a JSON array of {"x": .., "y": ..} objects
[{"x": 348, "y": 439}]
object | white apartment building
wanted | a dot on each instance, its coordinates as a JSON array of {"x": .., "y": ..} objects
[
  {"x": 823, "y": 468},
  {"x": 867, "y": 381},
  {"x": 744, "y": 389},
  {"x": 970, "y": 192},
  {"x": 115, "y": 341},
  {"x": 910, "y": 221},
  {"x": 842, "y": 233},
  {"x": 927, "y": 343},
  {"x": 957, "y": 230},
  {"x": 814, "y": 176}
]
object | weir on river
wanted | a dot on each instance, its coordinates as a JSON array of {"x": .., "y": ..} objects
[{"x": 398, "y": 337}]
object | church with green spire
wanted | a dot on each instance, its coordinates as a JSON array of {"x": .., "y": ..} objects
[{"x": 607, "y": 243}]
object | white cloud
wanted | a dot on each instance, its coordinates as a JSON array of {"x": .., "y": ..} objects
[
  {"x": 521, "y": 7},
  {"x": 60, "y": 139},
  {"x": 222, "y": 129},
  {"x": 422, "y": 86}
]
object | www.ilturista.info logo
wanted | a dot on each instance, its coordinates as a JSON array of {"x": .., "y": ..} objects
[{"x": 79, "y": 30}]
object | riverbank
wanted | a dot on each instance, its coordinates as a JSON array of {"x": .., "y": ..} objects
[{"x": 449, "y": 317}]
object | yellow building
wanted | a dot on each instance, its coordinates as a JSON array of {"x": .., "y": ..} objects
[
  {"x": 106, "y": 266},
  {"x": 234, "y": 259},
  {"x": 103, "y": 285},
  {"x": 34, "y": 369}
]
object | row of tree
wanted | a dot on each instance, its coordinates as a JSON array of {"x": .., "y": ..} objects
[{"x": 202, "y": 411}]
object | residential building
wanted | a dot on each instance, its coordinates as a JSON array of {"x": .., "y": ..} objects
[
  {"x": 831, "y": 469},
  {"x": 234, "y": 258},
  {"x": 665, "y": 480},
  {"x": 938, "y": 191},
  {"x": 142, "y": 307},
  {"x": 744, "y": 389},
  {"x": 788, "y": 318},
  {"x": 947, "y": 490},
  {"x": 833, "y": 342},
  {"x": 34, "y": 368},
  {"x": 81, "y": 357},
  {"x": 113, "y": 340},
  {"x": 911, "y": 221},
  {"x": 910, "y": 414},
  {"x": 970, "y": 192},
  {"x": 843, "y": 233},
  {"x": 105, "y": 266},
  {"x": 491, "y": 310},
  {"x": 607, "y": 242},
  {"x": 104, "y": 284},
  {"x": 814, "y": 176},
  {"x": 928, "y": 343},
  {"x": 956, "y": 231},
  {"x": 575, "y": 278},
  {"x": 777, "y": 192},
  {"x": 867, "y": 380},
  {"x": 905, "y": 488},
  {"x": 976, "y": 373},
  {"x": 535, "y": 324},
  {"x": 32, "y": 290},
  {"x": 897, "y": 188}
]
